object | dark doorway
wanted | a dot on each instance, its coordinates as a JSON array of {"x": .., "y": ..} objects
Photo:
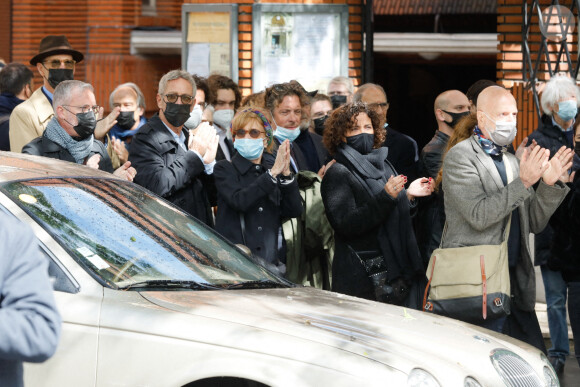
[{"x": 412, "y": 83}]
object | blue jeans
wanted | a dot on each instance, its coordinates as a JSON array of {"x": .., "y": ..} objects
[
  {"x": 556, "y": 292},
  {"x": 574, "y": 311}
]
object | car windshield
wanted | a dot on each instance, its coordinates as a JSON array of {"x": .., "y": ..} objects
[{"x": 124, "y": 235}]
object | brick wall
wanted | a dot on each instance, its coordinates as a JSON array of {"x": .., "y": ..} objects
[{"x": 510, "y": 57}]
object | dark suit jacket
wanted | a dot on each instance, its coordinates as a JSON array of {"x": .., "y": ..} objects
[
  {"x": 246, "y": 188},
  {"x": 42, "y": 146},
  {"x": 403, "y": 154},
  {"x": 170, "y": 171},
  {"x": 311, "y": 147}
]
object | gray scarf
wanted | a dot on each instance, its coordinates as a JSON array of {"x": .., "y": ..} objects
[{"x": 78, "y": 149}]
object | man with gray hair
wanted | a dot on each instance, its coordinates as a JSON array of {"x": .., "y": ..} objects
[
  {"x": 69, "y": 135},
  {"x": 340, "y": 91},
  {"x": 560, "y": 100},
  {"x": 170, "y": 162}
]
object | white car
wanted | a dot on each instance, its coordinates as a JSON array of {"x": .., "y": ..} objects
[{"x": 149, "y": 296}]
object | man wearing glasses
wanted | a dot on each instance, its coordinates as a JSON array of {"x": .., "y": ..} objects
[
  {"x": 55, "y": 62},
  {"x": 169, "y": 161},
  {"x": 69, "y": 135}
]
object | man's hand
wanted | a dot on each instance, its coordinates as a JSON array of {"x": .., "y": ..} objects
[
  {"x": 558, "y": 166},
  {"x": 324, "y": 168},
  {"x": 205, "y": 135},
  {"x": 105, "y": 124},
  {"x": 523, "y": 145},
  {"x": 120, "y": 149},
  {"x": 211, "y": 150},
  {"x": 282, "y": 162},
  {"x": 93, "y": 161},
  {"x": 126, "y": 171},
  {"x": 533, "y": 164}
]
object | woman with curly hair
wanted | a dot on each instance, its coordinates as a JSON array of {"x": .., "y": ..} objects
[
  {"x": 376, "y": 254},
  {"x": 256, "y": 190}
]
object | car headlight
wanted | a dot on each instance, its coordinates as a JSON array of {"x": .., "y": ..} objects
[
  {"x": 549, "y": 374},
  {"x": 421, "y": 378},
  {"x": 470, "y": 382}
]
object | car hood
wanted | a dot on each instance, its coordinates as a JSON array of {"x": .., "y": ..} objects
[{"x": 400, "y": 337}]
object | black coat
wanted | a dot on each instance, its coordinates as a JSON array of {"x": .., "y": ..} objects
[
  {"x": 550, "y": 137},
  {"x": 402, "y": 154},
  {"x": 565, "y": 246},
  {"x": 312, "y": 149},
  {"x": 246, "y": 188},
  {"x": 356, "y": 218},
  {"x": 43, "y": 146},
  {"x": 170, "y": 171}
]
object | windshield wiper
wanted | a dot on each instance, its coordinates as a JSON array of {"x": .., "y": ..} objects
[
  {"x": 171, "y": 284},
  {"x": 259, "y": 284}
]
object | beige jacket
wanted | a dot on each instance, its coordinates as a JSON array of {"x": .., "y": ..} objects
[{"x": 29, "y": 119}]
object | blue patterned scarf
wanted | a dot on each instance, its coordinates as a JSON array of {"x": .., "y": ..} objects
[{"x": 488, "y": 146}]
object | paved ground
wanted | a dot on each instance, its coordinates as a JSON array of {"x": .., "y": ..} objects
[{"x": 571, "y": 377}]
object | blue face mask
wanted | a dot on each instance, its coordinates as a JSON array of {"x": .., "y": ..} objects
[
  {"x": 249, "y": 148},
  {"x": 286, "y": 134},
  {"x": 567, "y": 109}
]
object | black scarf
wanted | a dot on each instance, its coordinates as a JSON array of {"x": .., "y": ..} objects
[{"x": 395, "y": 236}]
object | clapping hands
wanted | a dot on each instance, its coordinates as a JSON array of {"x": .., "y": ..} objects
[
  {"x": 205, "y": 142},
  {"x": 282, "y": 162}
]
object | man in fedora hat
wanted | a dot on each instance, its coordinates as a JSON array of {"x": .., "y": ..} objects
[{"x": 55, "y": 62}]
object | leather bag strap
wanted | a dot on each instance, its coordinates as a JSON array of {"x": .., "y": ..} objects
[
  {"x": 429, "y": 284},
  {"x": 484, "y": 286}
]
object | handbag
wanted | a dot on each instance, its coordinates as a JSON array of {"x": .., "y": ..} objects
[{"x": 470, "y": 283}]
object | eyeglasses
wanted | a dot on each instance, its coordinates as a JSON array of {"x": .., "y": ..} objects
[
  {"x": 254, "y": 133},
  {"x": 382, "y": 105},
  {"x": 56, "y": 64},
  {"x": 185, "y": 98},
  {"x": 84, "y": 109}
]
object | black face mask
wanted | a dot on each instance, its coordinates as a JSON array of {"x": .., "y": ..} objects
[
  {"x": 56, "y": 76},
  {"x": 319, "y": 124},
  {"x": 126, "y": 120},
  {"x": 338, "y": 100},
  {"x": 455, "y": 117},
  {"x": 362, "y": 143},
  {"x": 577, "y": 149},
  {"x": 176, "y": 114},
  {"x": 87, "y": 122}
]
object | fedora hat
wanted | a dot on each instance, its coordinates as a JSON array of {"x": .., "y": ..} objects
[{"x": 55, "y": 45}]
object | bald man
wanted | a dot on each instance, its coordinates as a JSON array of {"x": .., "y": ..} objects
[
  {"x": 450, "y": 106},
  {"x": 484, "y": 185}
]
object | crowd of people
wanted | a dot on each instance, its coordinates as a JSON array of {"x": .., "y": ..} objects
[{"x": 249, "y": 165}]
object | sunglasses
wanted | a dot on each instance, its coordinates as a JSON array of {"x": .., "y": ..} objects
[
  {"x": 254, "y": 133},
  {"x": 55, "y": 64},
  {"x": 185, "y": 99}
]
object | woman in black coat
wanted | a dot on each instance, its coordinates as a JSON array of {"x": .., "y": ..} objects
[
  {"x": 256, "y": 191},
  {"x": 376, "y": 254}
]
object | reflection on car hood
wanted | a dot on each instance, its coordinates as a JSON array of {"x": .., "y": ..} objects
[{"x": 394, "y": 335}]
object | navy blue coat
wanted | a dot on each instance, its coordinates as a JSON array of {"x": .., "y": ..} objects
[{"x": 246, "y": 188}]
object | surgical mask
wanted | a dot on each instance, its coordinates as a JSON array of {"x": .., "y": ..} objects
[
  {"x": 126, "y": 120},
  {"x": 176, "y": 114},
  {"x": 56, "y": 76},
  {"x": 249, "y": 148},
  {"x": 194, "y": 117},
  {"x": 319, "y": 124},
  {"x": 362, "y": 143},
  {"x": 87, "y": 122},
  {"x": 567, "y": 109},
  {"x": 455, "y": 117},
  {"x": 337, "y": 100},
  {"x": 223, "y": 118},
  {"x": 505, "y": 132},
  {"x": 286, "y": 134}
]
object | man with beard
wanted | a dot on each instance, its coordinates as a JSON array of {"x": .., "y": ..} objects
[
  {"x": 169, "y": 161},
  {"x": 69, "y": 135},
  {"x": 55, "y": 62}
]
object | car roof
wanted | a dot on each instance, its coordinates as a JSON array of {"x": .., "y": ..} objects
[{"x": 19, "y": 166}]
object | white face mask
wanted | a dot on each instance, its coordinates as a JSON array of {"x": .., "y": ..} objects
[
  {"x": 194, "y": 117},
  {"x": 504, "y": 133},
  {"x": 223, "y": 118}
]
